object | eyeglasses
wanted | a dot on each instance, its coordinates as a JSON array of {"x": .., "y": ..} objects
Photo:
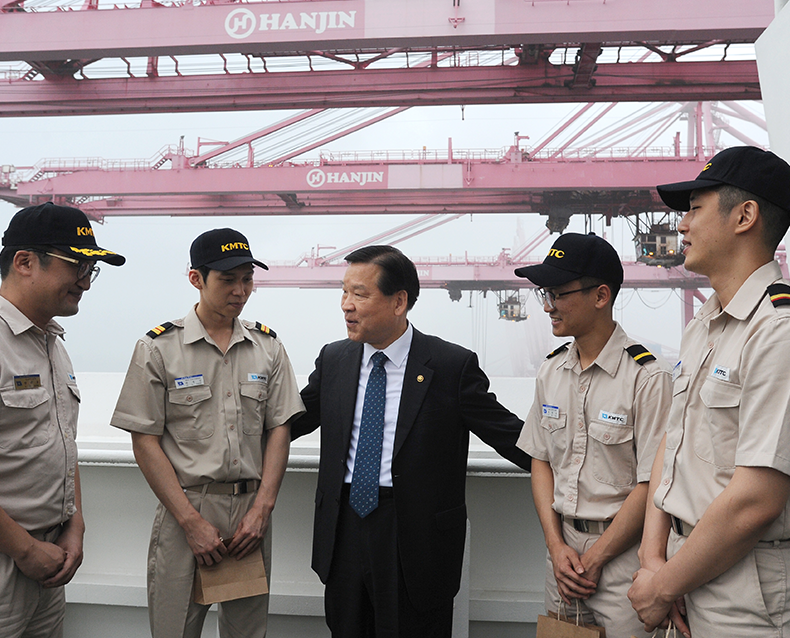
[
  {"x": 549, "y": 297},
  {"x": 84, "y": 268}
]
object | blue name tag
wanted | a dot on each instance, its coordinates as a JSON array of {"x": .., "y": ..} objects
[
  {"x": 188, "y": 382},
  {"x": 551, "y": 411}
]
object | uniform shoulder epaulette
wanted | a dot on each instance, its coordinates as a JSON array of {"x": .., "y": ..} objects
[
  {"x": 155, "y": 332},
  {"x": 640, "y": 354},
  {"x": 554, "y": 353},
  {"x": 779, "y": 294},
  {"x": 265, "y": 329}
]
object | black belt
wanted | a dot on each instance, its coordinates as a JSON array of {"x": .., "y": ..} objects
[
  {"x": 680, "y": 526},
  {"x": 384, "y": 491},
  {"x": 588, "y": 527},
  {"x": 683, "y": 528},
  {"x": 234, "y": 489}
]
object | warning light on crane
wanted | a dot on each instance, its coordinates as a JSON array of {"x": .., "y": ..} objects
[
  {"x": 659, "y": 246},
  {"x": 512, "y": 306}
]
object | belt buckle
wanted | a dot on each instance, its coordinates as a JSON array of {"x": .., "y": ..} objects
[
  {"x": 239, "y": 488},
  {"x": 581, "y": 525}
]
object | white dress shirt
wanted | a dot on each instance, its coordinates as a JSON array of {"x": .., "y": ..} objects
[{"x": 395, "y": 367}]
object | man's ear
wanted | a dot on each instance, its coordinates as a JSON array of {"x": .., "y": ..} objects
[
  {"x": 401, "y": 302},
  {"x": 196, "y": 279},
  {"x": 603, "y": 296},
  {"x": 748, "y": 215},
  {"x": 24, "y": 262}
]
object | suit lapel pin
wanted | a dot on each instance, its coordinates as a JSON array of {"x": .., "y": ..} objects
[{"x": 420, "y": 378}]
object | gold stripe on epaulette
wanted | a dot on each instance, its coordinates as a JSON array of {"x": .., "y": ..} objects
[
  {"x": 155, "y": 332},
  {"x": 265, "y": 329},
  {"x": 640, "y": 354},
  {"x": 554, "y": 353},
  {"x": 779, "y": 294}
]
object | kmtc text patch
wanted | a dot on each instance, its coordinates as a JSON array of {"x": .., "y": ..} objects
[{"x": 611, "y": 417}]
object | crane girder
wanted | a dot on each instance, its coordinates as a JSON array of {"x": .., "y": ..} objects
[
  {"x": 360, "y": 25},
  {"x": 81, "y": 61},
  {"x": 535, "y": 84},
  {"x": 583, "y": 185}
]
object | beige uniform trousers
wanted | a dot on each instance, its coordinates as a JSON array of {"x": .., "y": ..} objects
[
  {"x": 27, "y": 610},
  {"x": 609, "y": 607},
  {"x": 749, "y": 600},
  {"x": 171, "y": 574}
]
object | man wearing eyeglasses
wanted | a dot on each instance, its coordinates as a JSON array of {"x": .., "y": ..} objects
[
  {"x": 593, "y": 431},
  {"x": 47, "y": 262}
]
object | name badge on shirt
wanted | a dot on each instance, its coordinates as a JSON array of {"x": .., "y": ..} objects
[
  {"x": 251, "y": 376},
  {"x": 551, "y": 411},
  {"x": 190, "y": 381},
  {"x": 27, "y": 381},
  {"x": 611, "y": 417},
  {"x": 720, "y": 372},
  {"x": 677, "y": 370}
]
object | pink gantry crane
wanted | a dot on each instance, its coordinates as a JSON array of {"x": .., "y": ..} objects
[{"x": 324, "y": 55}]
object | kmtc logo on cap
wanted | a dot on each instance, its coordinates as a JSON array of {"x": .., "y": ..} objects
[
  {"x": 236, "y": 245},
  {"x": 222, "y": 249},
  {"x": 574, "y": 256}
]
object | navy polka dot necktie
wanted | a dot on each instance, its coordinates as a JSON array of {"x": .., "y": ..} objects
[{"x": 364, "y": 496}]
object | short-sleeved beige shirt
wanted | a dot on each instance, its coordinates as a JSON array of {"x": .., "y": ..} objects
[
  {"x": 598, "y": 428},
  {"x": 39, "y": 406},
  {"x": 731, "y": 403},
  {"x": 210, "y": 409}
]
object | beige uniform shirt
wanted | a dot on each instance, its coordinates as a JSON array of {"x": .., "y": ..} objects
[
  {"x": 731, "y": 402},
  {"x": 598, "y": 428},
  {"x": 210, "y": 409},
  {"x": 39, "y": 405}
]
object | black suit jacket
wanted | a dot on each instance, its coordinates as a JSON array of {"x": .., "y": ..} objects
[{"x": 445, "y": 396}]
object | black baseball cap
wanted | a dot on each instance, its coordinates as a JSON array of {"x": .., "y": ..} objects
[
  {"x": 572, "y": 256},
  {"x": 749, "y": 168},
  {"x": 62, "y": 227},
  {"x": 222, "y": 249}
]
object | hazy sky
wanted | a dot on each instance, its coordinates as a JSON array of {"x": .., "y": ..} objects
[{"x": 151, "y": 288}]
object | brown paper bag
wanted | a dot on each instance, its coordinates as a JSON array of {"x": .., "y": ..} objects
[
  {"x": 560, "y": 626},
  {"x": 230, "y": 579}
]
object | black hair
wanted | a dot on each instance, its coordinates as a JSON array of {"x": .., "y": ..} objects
[
  {"x": 9, "y": 252},
  {"x": 397, "y": 270},
  {"x": 204, "y": 271},
  {"x": 584, "y": 282},
  {"x": 776, "y": 220}
]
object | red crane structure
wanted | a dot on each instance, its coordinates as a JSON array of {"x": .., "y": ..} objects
[{"x": 331, "y": 55}]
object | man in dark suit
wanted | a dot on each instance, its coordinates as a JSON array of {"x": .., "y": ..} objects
[{"x": 390, "y": 517}]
